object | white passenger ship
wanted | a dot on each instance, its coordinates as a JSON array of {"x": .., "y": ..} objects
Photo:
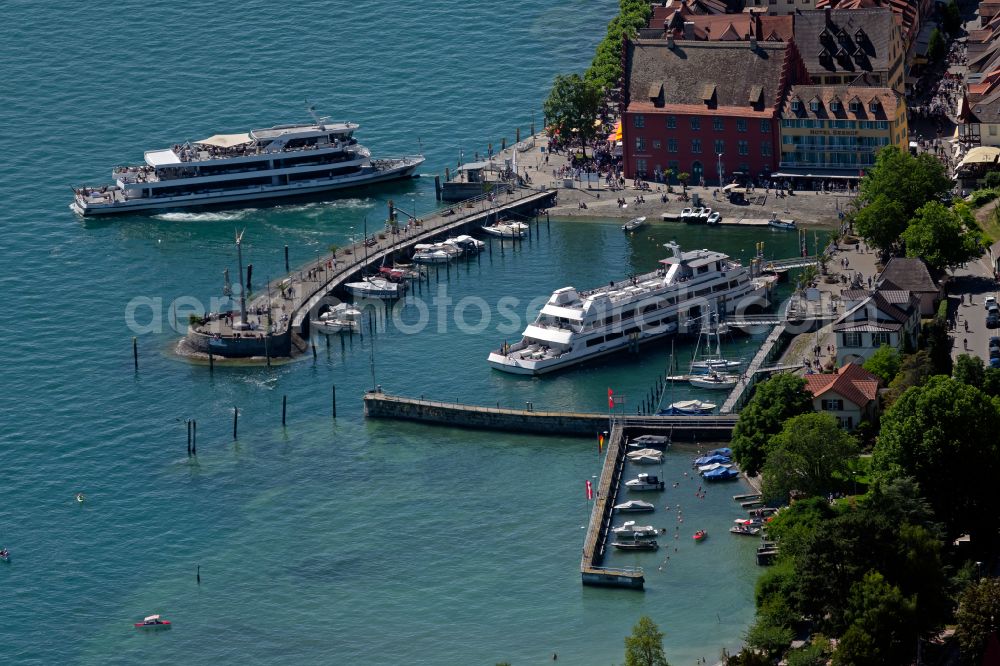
[
  {"x": 263, "y": 164},
  {"x": 575, "y": 326}
]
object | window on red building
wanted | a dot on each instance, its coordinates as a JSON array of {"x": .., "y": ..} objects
[
  {"x": 695, "y": 145},
  {"x": 639, "y": 121},
  {"x": 743, "y": 147},
  {"x": 765, "y": 149},
  {"x": 695, "y": 123},
  {"x": 765, "y": 126},
  {"x": 720, "y": 146},
  {"x": 717, "y": 124},
  {"x": 640, "y": 143},
  {"x": 741, "y": 124},
  {"x": 671, "y": 122},
  {"x": 672, "y": 146}
]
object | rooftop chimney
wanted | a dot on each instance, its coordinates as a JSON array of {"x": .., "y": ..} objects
[
  {"x": 753, "y": 44},
  {"x": 688, "y": 29}
]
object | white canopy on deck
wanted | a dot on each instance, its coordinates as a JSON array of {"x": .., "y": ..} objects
[{"x": 225, "y": 140}]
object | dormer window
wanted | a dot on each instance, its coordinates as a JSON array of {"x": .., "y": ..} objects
[
  {"x": 814, "y": 106},
  {"x": 835, "y": 106},
  {"x": 873, "y": 106},
  {"x": 855, "y": 106},
  {"x": 795, "y": 105}
]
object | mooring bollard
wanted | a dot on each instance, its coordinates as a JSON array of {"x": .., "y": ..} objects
[
  {"x": 194, "y": 437},
  {"x": 189, "y": 437},
  {"x": 236, "y": 418},
  {"x": 211, "y": 362},
  {"x": 287, "y": 270},
  {"x": 314, "y": 351},
  {"x": 284, "y": 408},
  {"x": 135, "y": 352},
  {"x": 334, "y": 400}
]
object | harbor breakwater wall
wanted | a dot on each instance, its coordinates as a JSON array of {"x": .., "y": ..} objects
[{"x": 682, "y": 428}]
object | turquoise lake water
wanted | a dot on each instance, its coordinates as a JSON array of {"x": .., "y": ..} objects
[{"x": 327, "y": 541}]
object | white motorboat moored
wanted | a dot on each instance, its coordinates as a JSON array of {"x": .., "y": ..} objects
[
  {"x": 507, "y": 229},
  {"x": 648, "y": 459},
  {"x": 634, "y": 506},
  {"x": 630, "y": 529},
  {"x": 714, "y": 380},
  {"x": 714, "y": 219},
  {"x": 645, "y": 482},
  {"x": 634, "y": 223},
  {"x": 375, "y": 287},
  {"x": 342, "y": 317},
  {"x": 692, "y": 407}
]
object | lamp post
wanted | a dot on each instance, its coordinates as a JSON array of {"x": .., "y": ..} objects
[{"x": 720, "y": 169}]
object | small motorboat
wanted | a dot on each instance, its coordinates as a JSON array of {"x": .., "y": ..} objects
[
  {"x": 714, "y": 219},
  {"x": 688, "y": 407},
  {"x": 745, "y": 527},
  {"x": 4, "y": 555},
  {"x": 705, "y": 214},
  {"x": 633, "y": 224},
  {"x": 634, "y": 506},
  {"x": 722, "y": 451},
  {"x": 342, "y": 317},
  {"x": 714, "y": 380},
  {"x": 655, "y": 441},
  {"x": 632, "y": 531},
  {"x": 636, "y": 545},
  {"x": 643, "y": 452},
  {"x": 645, "y": 482},
  {"x": 700, "y": 535},
  {"x": 776, "y": 223},
  {"x": 696, "y": 215},
  {"x": 152, "y": 622},
  {"x": 375, "y": 287},
  {"x": 507, "y": 229},
  {"x": 721, "y": 474},
  {"x": 656, "y": 459},
  {"x": 708, "y": 468}
]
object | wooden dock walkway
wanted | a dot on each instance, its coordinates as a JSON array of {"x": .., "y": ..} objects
[
  {"x": 284, "y": 305},
  {"x": 596, "y": 541},
  {"x": 708, "y": 428},
  {"x": 749, "y": 378}
]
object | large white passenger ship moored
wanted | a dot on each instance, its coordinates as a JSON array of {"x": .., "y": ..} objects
[
  {"x": 263, "y": 164},
  {"x": 575, "y": 326}
]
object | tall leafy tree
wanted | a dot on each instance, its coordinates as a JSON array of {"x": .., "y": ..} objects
[
  {"x": 942, "y": 236},
  {"x": 884, "y": 363},
  {"x": 969, "y": 370},
  {"x": 808, "y": 456},
  {"x": 944, "y": 435},
  {"x": 882, "y": 630},
  {"x": 978, "y": 617},
  {"x": 644, "y": 647},
  {"x": 572, "y": 107},
  {"x": 895, "y": 187},
  {"x": 774, "y": 401}
]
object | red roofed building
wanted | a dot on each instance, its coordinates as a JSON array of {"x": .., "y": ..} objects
[
  {"x": 851, "y": 395},
  {"x": 705, "y": 107}
]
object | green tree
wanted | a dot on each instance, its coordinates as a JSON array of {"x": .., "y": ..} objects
[
  {"x": 969, "y": 370},
  {"x": 936, "y": 46},
  {"x": 944, "y": 435},
  {"x": 978, "y": 617},
  {"x": 914, "y": 370},
  {"x": 938, "y": 345},
  {"x": 645, "y": 646},
  {"x": 809, "y": 454},
  {"x": 747, "y": 657},
  {"x": 941, "y": 236},
  {"x": 606, "y": 69},
  {"x": 572, "y": 107},
  {"x": 991, "y": 382},
  {"x": 951, "y": 18},
  {"x": 774, "y": 401},
  {"x": 684, "y": 177},
  {"x": 882, "y": 629},
  {"x": 770, "y": 639},
  {"x": 884, "y": 363},
  {"x": 814, "y": 654},
  {"x": 992, "y": 179},
  {"x": 905, "y": 183}
]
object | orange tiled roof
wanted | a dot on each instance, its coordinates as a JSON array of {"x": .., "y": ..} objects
[{"x": 851, "y": 381}]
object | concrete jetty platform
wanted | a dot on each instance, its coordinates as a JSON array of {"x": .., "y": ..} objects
[
  {"x": 278, "y": 316},
  {"x": 681, "y": 428},
  {"x": 596, "y": 541}
]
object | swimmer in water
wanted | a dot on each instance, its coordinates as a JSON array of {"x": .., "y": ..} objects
[{"x": 79, "y": 497}]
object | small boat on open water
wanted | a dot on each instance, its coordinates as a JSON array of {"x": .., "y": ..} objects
[
  {"x": 645, "y": 482},
  {"x": 152, "y": 622},
  {"x": 700, "y": 535},
  {"x": 633, "y": 224}
]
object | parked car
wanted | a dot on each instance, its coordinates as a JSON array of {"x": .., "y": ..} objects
[
  {"x": 992, "y": 319},
  {"x": 995, "y": 342},
  {"x": 990, "y": 302},
  {"x": 995, "y": 362}
]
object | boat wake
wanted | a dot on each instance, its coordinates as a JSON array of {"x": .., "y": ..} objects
[{"x": 219, "y": 216}]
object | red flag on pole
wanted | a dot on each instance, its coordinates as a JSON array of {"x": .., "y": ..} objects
[
  {"x": 590, "y": 491},
  {"x": 600, "y": 443},
  {"x": 611, "y": 399}
]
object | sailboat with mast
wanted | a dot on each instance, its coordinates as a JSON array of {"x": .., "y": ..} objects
[
  {"x": 683, "y": 407},
  {"x": 711, "y": 371},
  {"x": 373, "y": 286}
]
